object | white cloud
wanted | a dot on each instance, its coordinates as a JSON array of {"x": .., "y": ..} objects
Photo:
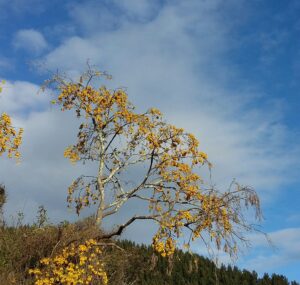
[
  {"x": 44, "y": 174},
  {"x": 21, "y": 98},
  {"x": 30, "y": 40},
  {"x": 285, "y": 250},
  {"x": 76, "y": 51},
  {"x": 175, "y": 61},
  {"x": 141, "y": 9},
  {"x": 109, "y": 15}
]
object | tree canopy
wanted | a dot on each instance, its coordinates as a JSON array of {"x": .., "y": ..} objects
[{"x": 166, "y": 161}]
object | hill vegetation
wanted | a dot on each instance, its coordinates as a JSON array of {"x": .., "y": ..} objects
[{"x": 23, "y": 246}]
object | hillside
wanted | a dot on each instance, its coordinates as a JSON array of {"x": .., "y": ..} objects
[
  {"x": 22, "y": 246},
  {"x": 191, "y": 270}
]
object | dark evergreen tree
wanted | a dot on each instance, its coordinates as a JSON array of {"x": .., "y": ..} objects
[{"x": 188, "y": 269}]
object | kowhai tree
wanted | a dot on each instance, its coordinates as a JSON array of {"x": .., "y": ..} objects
[{"x": 167, "y": 160}]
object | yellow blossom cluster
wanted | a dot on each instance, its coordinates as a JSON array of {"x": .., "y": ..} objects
[
  {"x": 213, "y": 216},
  {"x": 75, "y": 265},
  {"x": 10, "y": 139},
  {"x": 72, "y": 154},
  {"x": 164, "y": 247}
]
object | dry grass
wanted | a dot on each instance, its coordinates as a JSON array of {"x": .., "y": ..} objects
[{"x": 21, "y": 247}]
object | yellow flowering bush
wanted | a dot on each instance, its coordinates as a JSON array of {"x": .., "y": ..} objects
[
  {"x": 10, "y": 139},
  {"x": 73, "y": 266}
]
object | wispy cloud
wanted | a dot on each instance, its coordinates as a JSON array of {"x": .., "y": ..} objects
[
  {"x": 176, "y": 61},
  {"x": 30, "y": 40},
  {"x": 286, "y": 250},
  {"x": 21, "y": 98}
]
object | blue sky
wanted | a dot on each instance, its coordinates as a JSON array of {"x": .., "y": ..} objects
[{"x": 226, "y": 70}]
